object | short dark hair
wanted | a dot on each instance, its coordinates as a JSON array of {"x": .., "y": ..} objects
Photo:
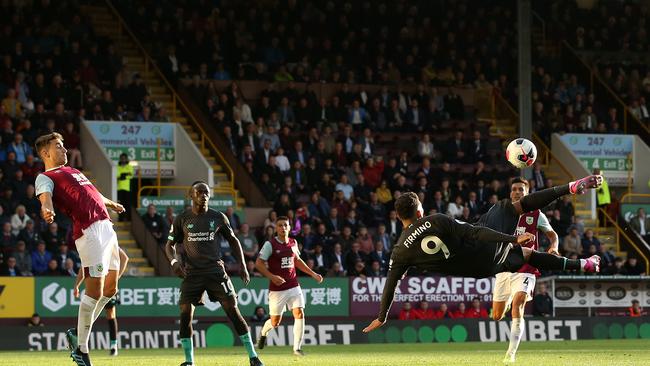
[
  {"x": 520, "y": 180},
  {"x": 282, "y": 218},
  {"x": 44, "y": 140},
  {"x": 407, "y": 206}
]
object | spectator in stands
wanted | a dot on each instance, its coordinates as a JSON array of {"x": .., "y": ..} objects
[
  {"x": 406, "y": 313},
  {"x": 9, "y": 268},
  {"x": 542, "y": 302},
  {"x": 380, "y": 255},
  {"x": 589, "y": 240},
  {"x": 63, "y": 254},
  {"x": 366, "y": 245},
  {"x": 443, "y": 313},
  {"x": 248, "y": 242},
  {"x": 260, "y": 315},
  {"x": 423, "y": 311},
  {"x": 29, "y": 235},
  {"x": 35, "y": 321},
  {"x": 23, "y": 258},
  {"x": 476, "y": 311},
  {"x": 53, "y": 237},
  {"x": 425, "y": 147},
  {"x": 7, "y": 239},
  {"x": 125, "y": 173},
  {"x": 641, "y": 224},
  {"x": 20, "y": 148},
  {"x": 353, "y": 257},
  {"x": 19, "y": 220},
  {"x": 618, "y": 268},
  {"x": 455, "y": 209},
  {"x": 635, "y": 310},
  {"x": 460, "y": 311},
  {"x": 477, "y": 148},
  {"x": 633, "y": 267},
  {"x": 69, "y": 268},
  {"x": 235, "y": 221},
  {"x": 12, "y": 105},
  {"x": 572, "y": 243},
  {"x": 53, "y": 269},
  {"x": 156, "y": 224},
  {"x": 73, "y": 145}
]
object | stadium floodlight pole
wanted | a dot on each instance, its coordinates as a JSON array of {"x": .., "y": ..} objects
[{"x": 524, "y": 23}]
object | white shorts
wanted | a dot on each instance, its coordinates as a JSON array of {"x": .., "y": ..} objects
[
  {"x": 507, "y": 284},
  {"x": 98, "y": 248},
  {"x": 281, "y": 301}
]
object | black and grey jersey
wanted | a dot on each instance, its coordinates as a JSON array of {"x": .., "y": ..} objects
[
  {"x": 200, "y": 236},
  {"x": 431, "y": 243},
  {"x": 502, "y": 216}
]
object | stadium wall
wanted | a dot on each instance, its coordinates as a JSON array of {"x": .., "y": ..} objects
[
  {"x": 571, "y": 162},
  {"x": 104, "y": 170}
]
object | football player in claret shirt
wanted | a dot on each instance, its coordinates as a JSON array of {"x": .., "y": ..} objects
[
  {"x": 96, "y": 241},
  {"x": 518, "y": 287},
  {"x": 198, "y": 231},
  {"x": 277, "y": 261},
  {"x": 439, "y": 244}
]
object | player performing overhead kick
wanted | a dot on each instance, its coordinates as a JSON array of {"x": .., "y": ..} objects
[
  {"x": 95, "y": 239},
  {"x": 439, "y": 244},
  {"x": 199, "y": 231}
]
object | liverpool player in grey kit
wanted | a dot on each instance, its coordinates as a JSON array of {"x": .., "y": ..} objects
[
  {"x": 199, "y": 231},
  {"x": 440, "y": 244}
]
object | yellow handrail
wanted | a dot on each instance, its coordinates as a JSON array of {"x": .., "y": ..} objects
[
  {"x": 186, "y": 188},
  {"x": 634, "y": 195},
  {"x": 619, "y": 231},
  {"x": 626, "y": 109},
  {"x": 150, "y": 63}
]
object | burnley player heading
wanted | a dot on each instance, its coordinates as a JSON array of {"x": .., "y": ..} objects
[
  {"x": 278, "y": 260},
  {"x": 439, "y": 244},
  {"x": 96, "y": 241},
  {"x": 198, "y": 232}
]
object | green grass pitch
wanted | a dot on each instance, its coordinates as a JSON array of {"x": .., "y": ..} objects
[{"x": 572, "y": 353}]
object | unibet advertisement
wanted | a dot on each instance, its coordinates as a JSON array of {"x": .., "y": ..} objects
[
  {"x": 609, "y": 153},
  {"x": 158, "y": 297},
  {"x": 321, "y": 332},
  {"x": 139, "y": 140},
  {"x": 365, "y": 293}
]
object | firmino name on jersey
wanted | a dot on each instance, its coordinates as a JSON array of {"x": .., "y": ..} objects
[{"x": 419, "y": 230}]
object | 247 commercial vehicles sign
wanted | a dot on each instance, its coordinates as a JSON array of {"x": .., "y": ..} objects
[
  {"x": 609, "y": 153},
  {"x": 139, "y": 140},
  {"x": 158, "y": 297}
]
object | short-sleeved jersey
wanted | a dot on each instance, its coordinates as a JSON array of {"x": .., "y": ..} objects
[
  {"x": 432, "y": 243},
  {"x": 280, "y": 258},
  {"x": 200, "y": 235},
  {"x": 74, "y": 195},
  {"x": 532, "y": 222}
]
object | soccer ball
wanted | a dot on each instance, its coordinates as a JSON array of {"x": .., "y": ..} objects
[{"x": 521, "y": 153}]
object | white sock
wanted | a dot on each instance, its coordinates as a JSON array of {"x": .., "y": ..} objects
[
  {"x": 267, "y": 328},
  {"x": 100, "y": 307},
  {"x": 516, "y": 330},
  {"x": 85, "y": 321},
  {"x": 298, "y": 333}
]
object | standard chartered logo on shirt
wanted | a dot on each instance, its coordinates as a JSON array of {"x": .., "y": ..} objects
[{"x": 200, "y": 236}]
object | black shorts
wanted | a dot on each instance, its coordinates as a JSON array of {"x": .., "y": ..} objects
[
  {"x": 217, "y": 285},
  {"x": 485, "y": 260}
]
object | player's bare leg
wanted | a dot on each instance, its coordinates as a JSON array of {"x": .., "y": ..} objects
[
  {"x": 187, "y": 313},
  {"x": 547, "y": 261},
  {"x": 232, "y": 311},
  {"x": 111, "y": 317},
  {"x": 517, "y": 325},
  {"x": 270, "y": 324},
  {"x": 298, "y": 330},
  {"x": 498, "y": 310}
]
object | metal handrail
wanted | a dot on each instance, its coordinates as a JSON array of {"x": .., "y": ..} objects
[
  {"x": 619, "y": 231},
  {"x": 626, "y": 195},
  {"x": 626, "y": 109},
  {"x": 214, "y": 190},
  {"x": 150, "y": 63}
]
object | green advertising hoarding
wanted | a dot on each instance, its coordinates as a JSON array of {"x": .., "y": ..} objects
[{"x": 158, "y": 297}]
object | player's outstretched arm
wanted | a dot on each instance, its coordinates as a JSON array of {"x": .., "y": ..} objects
[
  {"x": 395, "y": 273},
  {"x": 112, "y": 205},
  {"x": 47, "y": 207},
  {"x": 475, "y": 234},
  {"x": 301, "y": 265},
  {"x": 554, "y": 240},
  {"x": 545, "y": 197},
  {"x": 235, "y": 247}
]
